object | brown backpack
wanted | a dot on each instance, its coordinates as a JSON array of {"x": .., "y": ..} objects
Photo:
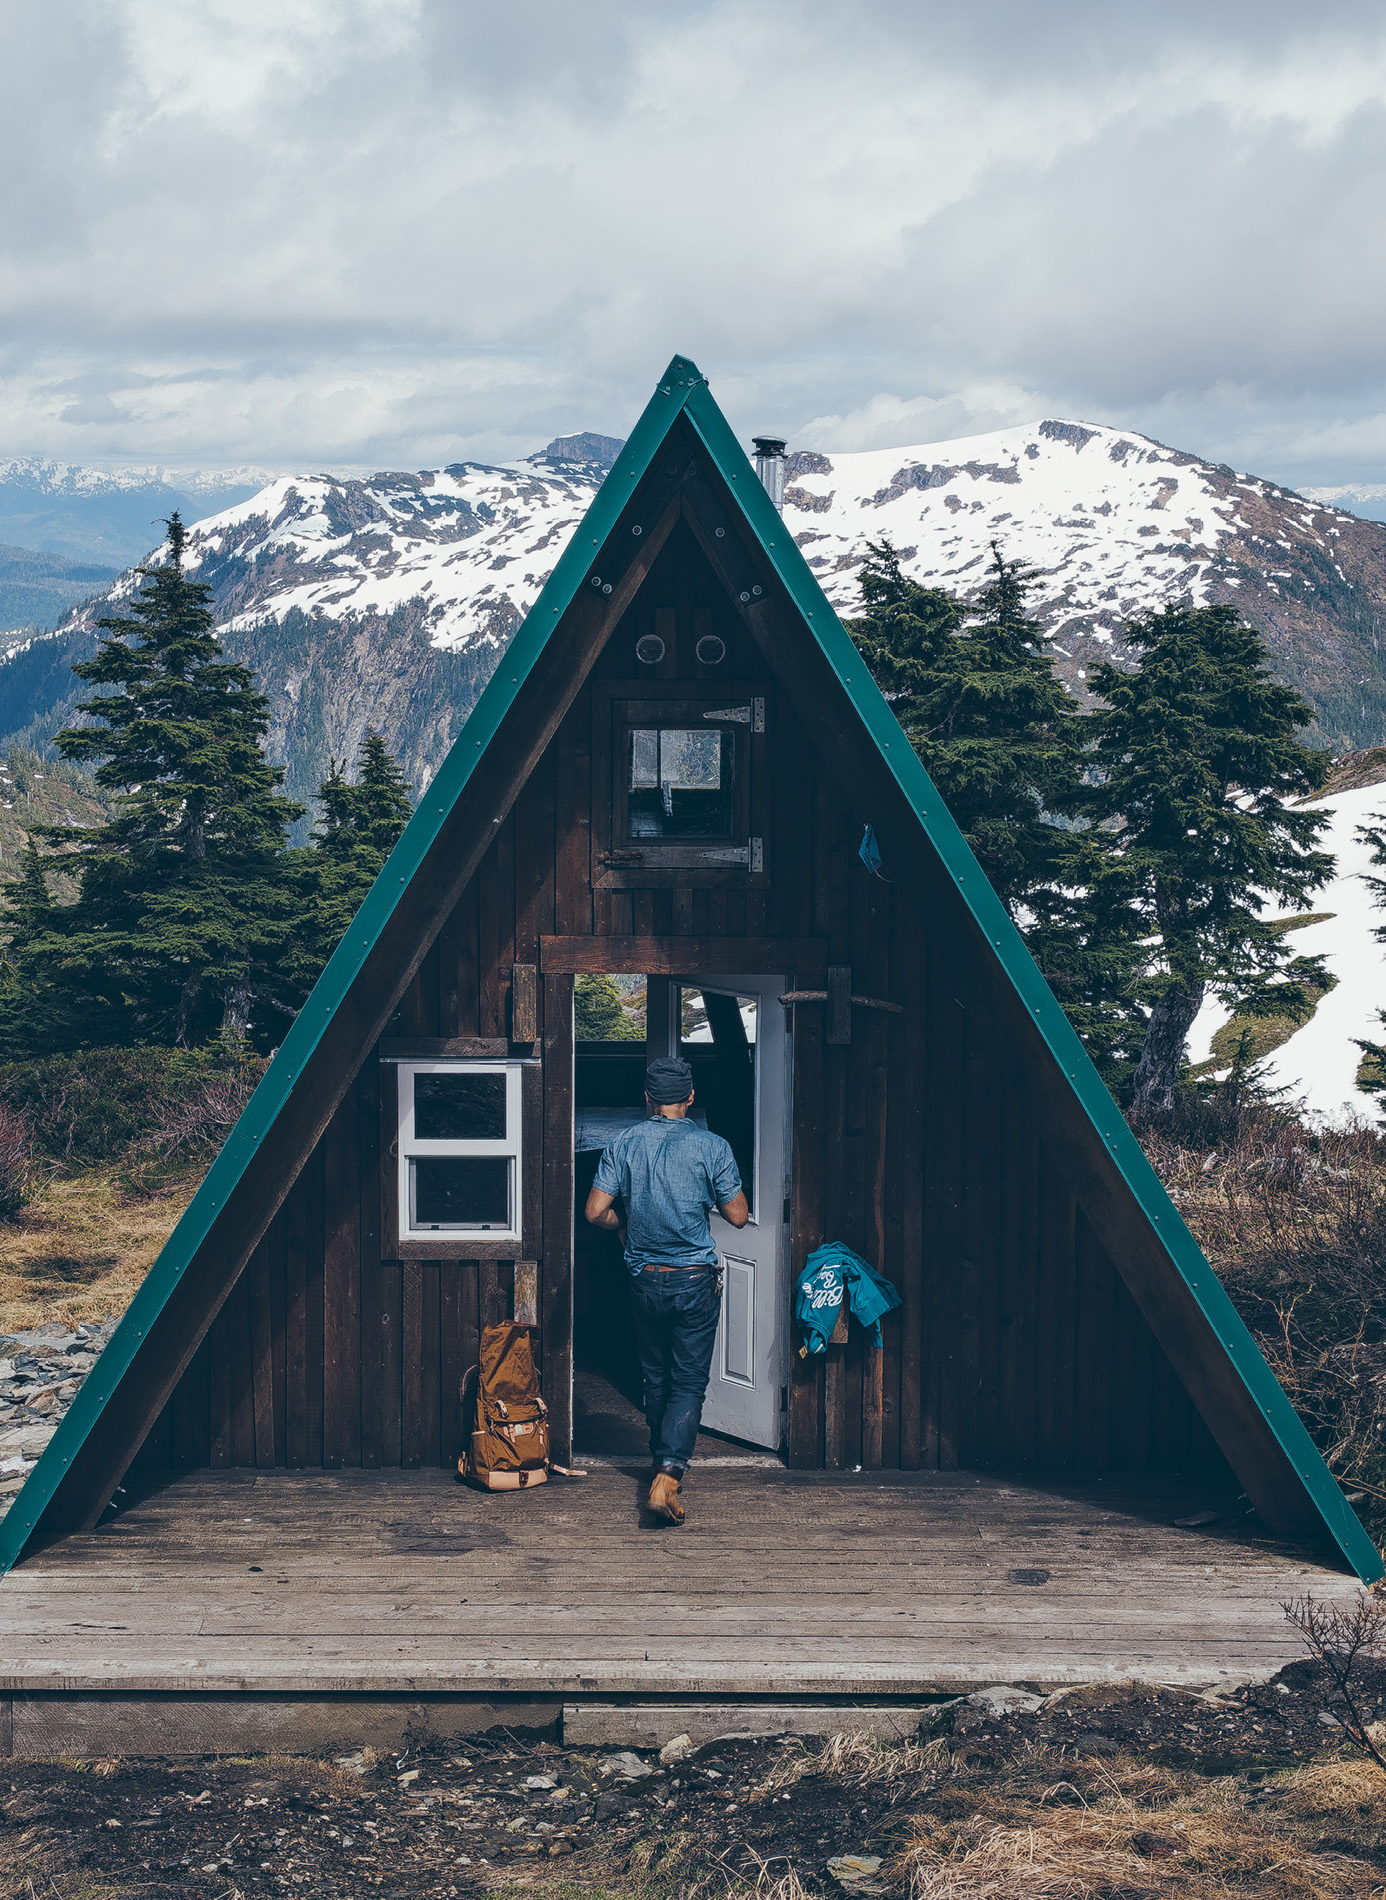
[{"x": 509, "y": 1446}]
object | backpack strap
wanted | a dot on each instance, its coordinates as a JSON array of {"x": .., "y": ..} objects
[{"x": 466, "y": 1405}]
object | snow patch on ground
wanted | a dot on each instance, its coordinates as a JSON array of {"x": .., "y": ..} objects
[{"x": 1319, "y": 1062}]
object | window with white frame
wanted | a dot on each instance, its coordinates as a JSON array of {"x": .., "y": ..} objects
[{"x": 459, "y": 1149}]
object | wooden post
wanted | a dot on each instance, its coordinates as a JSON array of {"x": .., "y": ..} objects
[
  {"x": 526, "y": 1292},
  {"x": 524, "y": 1003},
  {"x": 839, "y": 1003},
  {"x": 557, "y": 1279}
]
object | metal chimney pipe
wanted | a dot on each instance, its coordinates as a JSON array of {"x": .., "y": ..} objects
[{"x": 770, "y": 466}]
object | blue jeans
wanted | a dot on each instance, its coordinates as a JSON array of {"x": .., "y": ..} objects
[{"x": 676, "y": 1313}]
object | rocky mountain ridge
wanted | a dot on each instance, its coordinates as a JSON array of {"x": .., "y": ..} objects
[
  {"x": 103, "y": 516},
  {"x": 1116, "y": 526},
  {"x": 385, "y": 601}
]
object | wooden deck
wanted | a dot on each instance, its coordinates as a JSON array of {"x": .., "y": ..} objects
[{"x": 781, "y": 1584}]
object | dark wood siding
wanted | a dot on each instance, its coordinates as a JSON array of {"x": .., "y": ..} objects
[{"x": 922, "y": 1143}]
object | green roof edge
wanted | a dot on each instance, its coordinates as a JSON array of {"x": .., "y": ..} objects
[
  {"x": 683, "y": 388},
  {"x": 273, "y": 1090},
  {"x": 1063, "y": 1040}
]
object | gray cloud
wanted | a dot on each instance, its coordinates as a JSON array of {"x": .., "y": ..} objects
[{"x": 328, "y": 231}]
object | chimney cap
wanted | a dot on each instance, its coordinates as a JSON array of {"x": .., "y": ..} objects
[{"x": 768, "y": 446}]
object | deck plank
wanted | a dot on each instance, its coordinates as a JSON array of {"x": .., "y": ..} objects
[{"x": 879, "y": 1583}]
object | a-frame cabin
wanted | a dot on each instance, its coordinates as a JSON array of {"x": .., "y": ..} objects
[{"x": 668, "y": 778}]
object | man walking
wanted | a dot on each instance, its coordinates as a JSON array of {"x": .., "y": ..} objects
[{"x": 670, "y": 1173}]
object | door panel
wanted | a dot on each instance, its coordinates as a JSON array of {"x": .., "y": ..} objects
[{"x": 738, "y": 1320}]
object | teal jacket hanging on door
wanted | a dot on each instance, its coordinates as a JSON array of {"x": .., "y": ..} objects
[{"x": 829, "y": 1273}]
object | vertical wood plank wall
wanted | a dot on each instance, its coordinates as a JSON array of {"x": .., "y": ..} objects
[{"x": 921, "y": 1144}]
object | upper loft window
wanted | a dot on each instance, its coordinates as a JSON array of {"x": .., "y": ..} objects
[
  {"x": 687, "y": 773},
  {"x": 682, "y": 782}
]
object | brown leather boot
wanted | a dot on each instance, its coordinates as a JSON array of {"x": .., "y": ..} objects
[{"x": 663, "y": 1500}]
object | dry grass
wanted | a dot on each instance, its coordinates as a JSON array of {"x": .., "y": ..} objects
[
  {"x": 1049, "y": 1853},
  {"x": 81, "y": 1247},
  {"x": 1044, "y": 1825},
  {"x": 1294, "y": 1221},
  {"x": 855, "y": 1758},
  {"x": 1123, "y": 1830}
]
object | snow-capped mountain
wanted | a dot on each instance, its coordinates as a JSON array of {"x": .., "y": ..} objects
[
  {"x": 469, "y": 546},
  {"x": 1115, "y": 524},
  {"x": 106, "y": 516},
  {"x": 376, "y": 604},
  {"x": 386, "y": 600},
  {"x": 45, "y": 477}
]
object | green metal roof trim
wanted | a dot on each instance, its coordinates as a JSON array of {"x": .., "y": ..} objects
[{"x": 684, "y": 388}]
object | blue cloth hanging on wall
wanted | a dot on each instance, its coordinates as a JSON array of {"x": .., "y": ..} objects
[
  {"x": 870, "y": 852},
  {"x": 830, "y": 1272}
]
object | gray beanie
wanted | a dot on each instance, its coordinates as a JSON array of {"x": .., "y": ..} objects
[{"x": 668, "y": 1079}]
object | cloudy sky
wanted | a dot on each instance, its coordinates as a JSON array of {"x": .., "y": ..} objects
[{"x": 398, "y": 232}]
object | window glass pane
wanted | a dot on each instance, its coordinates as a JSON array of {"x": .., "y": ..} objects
[
  {"x": 681, "y": 782},
  {"x": 460, "y": 1191},
  {"x": 644, "y": 759},
  {"x": 690, "y": 759},
  {"x": 459, "y": 1105},
  {"x": 693, "y": 1022},
  {"x": 717, "y": 1034}
]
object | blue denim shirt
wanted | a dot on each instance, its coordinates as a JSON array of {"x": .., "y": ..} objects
[{"x": 670, "y": 1174}]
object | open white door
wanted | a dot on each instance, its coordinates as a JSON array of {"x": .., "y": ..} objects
[{"x": 733, "y": 1031}]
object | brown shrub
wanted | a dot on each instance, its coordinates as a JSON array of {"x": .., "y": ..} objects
[
  {"x": 16, "y": 1162},
  {"x": 191, "y": 1123},
  {"x": 1293, "y": 1218}
]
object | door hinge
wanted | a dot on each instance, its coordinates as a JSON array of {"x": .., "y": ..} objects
[
  {"x": 788, "y": 1210},
  {"x": 752, "y": 715},
  {"x": 752, "y": 855}
]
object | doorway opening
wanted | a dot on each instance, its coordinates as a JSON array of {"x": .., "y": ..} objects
[{"x": 732, "y": 1032}]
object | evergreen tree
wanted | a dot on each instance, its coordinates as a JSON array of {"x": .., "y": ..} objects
[
  {"x": 28, "y": 901},
  {"x": 358, "y": 827},
  {"x": 975, "y": 691},
  {"x": 598, "y": 1011},
  {"x": 1199, "y": 756},
  {"x": 32, "y": 1014},
  {"x": 1004, "y": 743},
  {"x": 183, "y": 902},
  {"x": 1371, "y": 1077},
  {"x": 368, "y": 817}
]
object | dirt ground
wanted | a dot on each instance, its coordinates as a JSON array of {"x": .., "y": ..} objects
[
  {"x": 80, "y": 1248},
  {"x": 1098, "y": 1794}
]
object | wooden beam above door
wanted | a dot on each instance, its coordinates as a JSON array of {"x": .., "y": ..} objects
[{"x": 682, "y": 956}]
